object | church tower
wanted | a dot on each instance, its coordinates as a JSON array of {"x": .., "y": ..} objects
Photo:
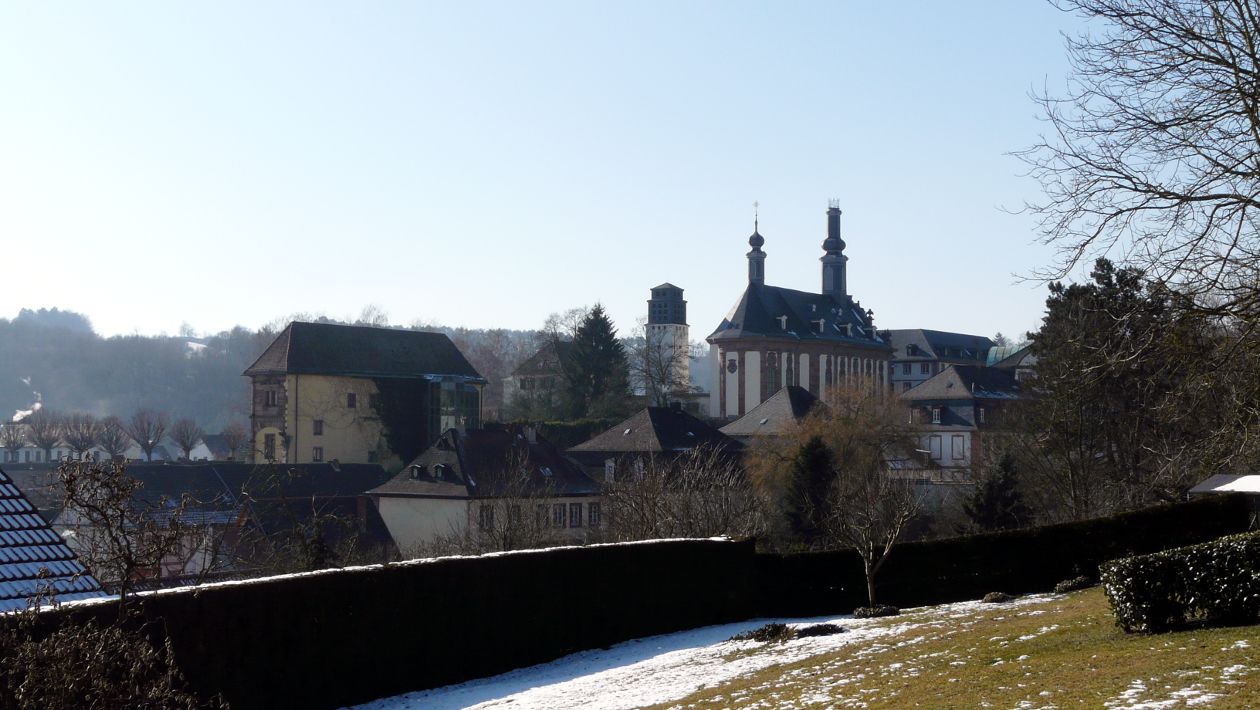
[
  {"x": 756, "y": 257},
  {"x": 667, "y": 331},
  {"x": 834, "y": 260}
]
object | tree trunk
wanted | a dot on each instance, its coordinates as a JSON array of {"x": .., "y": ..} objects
[{"x": 870, "y": 582}]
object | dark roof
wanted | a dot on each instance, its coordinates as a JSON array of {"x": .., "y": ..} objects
[
  {"x": 759, "y": 310},
  {"x": 667, "y": 285},
  {"x": 360, "y": 351},
  {"x": 966, "y": 382},
  {"x": 547, "y": 360},
  {"x": 656, "y": 430},
  {"x": 774, "y": 415},
  {"x": 937, "y": 345},
  {"x": 217, "y": 445},
  {"x": 38, "y": 482},
  {"x": 213, "y": 481},
  {"x": 33, "y": 557},
  {"x": 487, "y": 463}
]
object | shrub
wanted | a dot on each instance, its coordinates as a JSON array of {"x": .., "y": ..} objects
[
  {"x": 1216, "y": 583},
  {"x": 766, "y": 634},
  {"x": 818, "y": 630},
  {"x": 996, "y": 598},
  {"x": 1073, "y": 584},
  {"x": 871, "y": 612}
]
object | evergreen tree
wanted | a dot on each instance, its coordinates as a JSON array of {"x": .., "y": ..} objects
[
  {"x": 596, "y": 373},
  {"x": 997, "y": 503},
  {"x": 810, "y": 477}
]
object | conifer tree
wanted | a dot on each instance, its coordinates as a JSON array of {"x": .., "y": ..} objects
[
  {"x": 997, "y": 503},
  {"x": 596, "y": 373}
]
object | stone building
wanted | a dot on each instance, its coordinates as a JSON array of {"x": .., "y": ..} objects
[
  {"x": 920, "y": 354},
  {"x": 354, "y": 394},
  {"x": 775, "y": 336}
]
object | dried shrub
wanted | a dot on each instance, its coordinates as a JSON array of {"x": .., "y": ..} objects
[
  {"x": 773, "y": 632},
  {"x": 819, "y": 630},
  {"x": 872, "y": 612},
  {"x": 1073, "y": 584},
  {"x": 996, "y": 598}
]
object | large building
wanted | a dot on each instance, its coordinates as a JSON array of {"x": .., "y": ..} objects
[
  {"x": 324, "y": 392},
  {"x": 920, "y": 354},
  {"x": 775, "y": 337}
]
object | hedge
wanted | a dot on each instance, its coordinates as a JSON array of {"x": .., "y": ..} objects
[{"x": 1217, "y": 583}]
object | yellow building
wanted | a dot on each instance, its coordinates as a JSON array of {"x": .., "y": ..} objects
[{"x": 323, "y": 392}]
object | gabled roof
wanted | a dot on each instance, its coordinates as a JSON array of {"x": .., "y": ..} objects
[
  {"x": 547, "y": 360},
  {"x": 657, "y": 430},
  {"x": 761, "y": 310},
  {"x": 773, "y": 416},
  {"x": 33, "y": 557},
  {"x": 966, "y": 382},
  {"x": 919, "y": 343},
  {"x": 360, "y": 351},
  {"x": 667, "y": 285},
  {"x": 489, "y": 463}
]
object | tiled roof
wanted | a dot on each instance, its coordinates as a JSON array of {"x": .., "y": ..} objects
[
  {"x": 359, "y": 351},
  {"x": 774, "y": 415},
  {"x": 774, "y": 312},
  {"x": 476, "y": 463},
  {"x": 966, "y": 382},
  {"x": 33, "y": 557},
  {"x": 657, "y": 430}
]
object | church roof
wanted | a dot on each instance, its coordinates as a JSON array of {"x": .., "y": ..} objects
[
  {"x": 772, "y": 416},
  {"x": 775, "y": 312},
  {"x": 361, "y": 351},
  {"x": 33, "y": 557}
]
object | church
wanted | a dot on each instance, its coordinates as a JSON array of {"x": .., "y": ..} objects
[{"x": 775, "y": 337}]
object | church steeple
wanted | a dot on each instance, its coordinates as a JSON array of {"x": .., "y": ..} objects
[
  {"x": 833, "y": 260},
  {"x": 756, "y": 257}
]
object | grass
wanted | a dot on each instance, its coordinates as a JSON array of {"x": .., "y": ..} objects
[{"x": 1060, "y": 651}]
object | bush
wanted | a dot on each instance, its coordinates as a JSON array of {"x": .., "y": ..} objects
[
  {"x": 766, "y": 634},
  {"x": 1216, "y": 583},
  {"x": 996, "y": 598},
  {"x": 819, "y": 630},
  {"x": 871, "y": 612},
  {"x": 1073, "y": 584}
]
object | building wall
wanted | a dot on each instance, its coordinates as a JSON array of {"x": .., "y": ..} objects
[
  {"x": 762, "y": 362},
  {"x": 413, "y": 522},
  {"x": 351, "y": 434}
]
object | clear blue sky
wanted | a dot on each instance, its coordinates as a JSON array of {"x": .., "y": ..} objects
[{"x": 485, "y": 164}]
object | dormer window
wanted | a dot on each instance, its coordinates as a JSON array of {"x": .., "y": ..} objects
[
  {"x": 936, "y": 415},
  {"x": 817, "y": 326}
]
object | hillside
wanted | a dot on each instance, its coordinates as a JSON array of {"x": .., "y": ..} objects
[{"x": 1037, "y": 652}]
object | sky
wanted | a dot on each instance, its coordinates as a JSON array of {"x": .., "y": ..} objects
[{"x": 485, "y": 164}]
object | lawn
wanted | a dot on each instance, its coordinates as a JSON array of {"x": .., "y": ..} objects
[{"x": 1041, "y": 652}]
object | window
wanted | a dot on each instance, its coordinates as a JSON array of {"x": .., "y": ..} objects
[
  {"x": 28, "y": 455},
  {"x": 514, "y": 515},
  {"x": 575, "y": 515},
  {"x": 593, "y": 515},
  {"x": 905, "y": 386},
  {"x": 558, "y": 516},
  {"x": 269, "y": 447},
  {"x": 39, "y": 456},
  {"x": 527, "y": 383},
  {"x": 374, "y": 402},
  {"x": 485, "y": 516},
  {"x": 610, "y": 471},
  {"x": 936, "y": 415},
  {"x": 925, "y": 368},
  {"x": 352, "y": 400},
  {"x": 317, "y": 427},
  {"x": 269, "y": 398},
  {"x": 957, "y": 449},
  {"x": 317, "y": 454},
  {"x": 905, "y": 368},
  {"x": 540, "y": 516},
  {"x": 979, "y": 415},
  {"x": 934, "y": 447}
]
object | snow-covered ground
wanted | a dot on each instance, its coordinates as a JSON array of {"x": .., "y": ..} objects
[{"x": 647, "y": 671}]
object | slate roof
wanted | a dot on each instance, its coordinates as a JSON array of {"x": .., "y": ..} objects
[
  {"x": 774, "y": 415},
  {"x": 29, "y": 547},
  {"x": 546, "y": 361},
  {"x": 656, "y": 430},
  {"x": 758, "y": 312},
  {"x": 476, "y": 463},
  {"x": 937, "y": 345},
  {"x": 966, "y": 382},
  {"x": 361, "y": 351}
]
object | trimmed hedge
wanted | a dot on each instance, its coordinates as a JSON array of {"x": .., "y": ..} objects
[
  {"x": 1014, "y": 561},
  {"x": 1217, "y": 583}
]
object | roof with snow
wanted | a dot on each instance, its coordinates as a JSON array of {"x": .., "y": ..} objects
[
  {"x": 1229, "y": 483},
  {"x": 33, "y": 557},
  {"x": 773, "y": 416},
  {"x": 361, "y": 351},
  {"x": 656, "y": 430}
]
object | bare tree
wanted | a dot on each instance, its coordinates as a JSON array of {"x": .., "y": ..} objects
[
  {"x": 838, "y": 469},
  {"x": 12, "y": 438},
  {"x": 658, "y": 363},
  {"x": 113, "y": 437},
  {"x": 186, "y": 435},
  {"x": 45, "y": 431},
  {"x": 1153, "y": 156},
  {"x": 147, "y": 428},
  {"x": 235, "y": 435},
  {"x": 81, "y": 432},
  {"x": 703, "y": 492}
]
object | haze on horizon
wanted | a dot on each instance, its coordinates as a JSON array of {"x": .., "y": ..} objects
[{"x": 487, "y": 164}]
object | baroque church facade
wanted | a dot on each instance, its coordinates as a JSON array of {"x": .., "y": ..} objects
[{"x": 776, "y": 337}]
